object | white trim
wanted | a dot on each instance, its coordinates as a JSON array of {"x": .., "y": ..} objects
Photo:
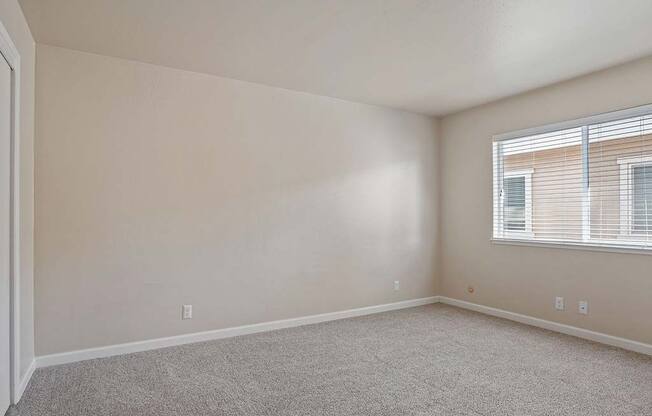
[
  {"x": 10, "y": 53},
  {"x": 608, "y": 247},
  {"x": 623, "y": 343},
  {"x": 598, "y": 118},
  {"x": 633, "y": 160},
  {"x": 519, "y": 172},
  {"x": 131, "y": 347},
  {"x": 25, "y": 380}
]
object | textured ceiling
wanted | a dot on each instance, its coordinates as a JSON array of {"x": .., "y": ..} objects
[{"x": 433, "y": 57}]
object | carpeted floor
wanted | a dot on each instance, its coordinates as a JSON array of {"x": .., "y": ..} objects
[{"x": 430, "y": 360}]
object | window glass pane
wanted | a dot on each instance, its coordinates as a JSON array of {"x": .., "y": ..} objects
[
  {"x": 614, "y": 149},
  {"x": 555, "y": 197},
  {"x": 515, "y": 203},
  {"x": 642, "y": 199}
]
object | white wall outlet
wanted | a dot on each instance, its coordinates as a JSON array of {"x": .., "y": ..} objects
[
  {"x": 397, "y": 284},
  {"x": 583, "y": 307},
  {"x": 186, "y": 312},
  {"x": 559, "y": 303}
]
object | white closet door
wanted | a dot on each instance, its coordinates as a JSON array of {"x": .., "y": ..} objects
[{"x": 5, "y": 135}]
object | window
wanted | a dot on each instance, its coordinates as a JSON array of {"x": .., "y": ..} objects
[
  {"x": 635, "y": 196},
  {"x": 641, "y": 216},
  {"x": 517, "y": 203},
  {"x": 514, "y": 187},
  {"x": 585, "y": 182}
]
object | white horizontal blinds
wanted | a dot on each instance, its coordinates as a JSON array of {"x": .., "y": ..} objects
[
  {"x": 620, "y": 160},
  {"x": 498, "y": 223},
  {"x": 588, "y": 184},
  {"x": 552, "y": 206}
]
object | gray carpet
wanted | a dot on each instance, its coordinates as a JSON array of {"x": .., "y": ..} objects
[{"x": 430, "y": 360}]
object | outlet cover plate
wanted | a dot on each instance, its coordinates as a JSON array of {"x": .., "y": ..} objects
[
  {"x": 186, "y": 312},
  {"x": 559, "y": 303}
]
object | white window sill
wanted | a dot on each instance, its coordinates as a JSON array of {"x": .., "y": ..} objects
[
  {"x": 518, "y": 235},
  {"x": 603, "y": 247}
]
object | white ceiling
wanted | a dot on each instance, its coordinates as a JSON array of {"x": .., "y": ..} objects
[{"x": 433, "y": 57}]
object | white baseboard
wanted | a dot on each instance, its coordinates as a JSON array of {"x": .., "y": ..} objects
[
  {"x": 111, "y": 350},
  {"x": 24, "y": 381},
  {"x": 623, "y": 343}
]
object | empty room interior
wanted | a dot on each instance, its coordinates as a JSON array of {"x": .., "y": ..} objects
[{"x": 325, "y": 207}]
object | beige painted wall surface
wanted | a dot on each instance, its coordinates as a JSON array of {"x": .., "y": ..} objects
[
  {"x": 158, "y": 187},
  {"x": 526, "y": 279},
  {"x": 14, "y": 21}
]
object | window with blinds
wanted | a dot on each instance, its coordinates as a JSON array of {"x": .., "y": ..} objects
[{"x": 584, "y": 182}]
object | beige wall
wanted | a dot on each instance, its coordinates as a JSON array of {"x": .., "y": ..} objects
[
  {"x": 158, "y": 187},
  {"x": 526, "y": 279},
  {"x": 14, "y": 21}
]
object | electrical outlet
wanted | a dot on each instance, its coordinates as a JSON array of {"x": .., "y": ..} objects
[
  {"x": 397, "y": 284},
  {"x": 583, "y": 307},
  {"x": 559, "y": 303},
  {"x": 186, "y": 312}
]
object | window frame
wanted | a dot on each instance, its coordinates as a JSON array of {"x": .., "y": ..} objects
[{"x": 498, "y": 235}]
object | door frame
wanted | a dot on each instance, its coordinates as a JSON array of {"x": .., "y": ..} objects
[{"x": 10, "y": 53}]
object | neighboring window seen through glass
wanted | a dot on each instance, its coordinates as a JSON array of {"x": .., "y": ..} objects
[
  {"x": 514, "y": 188},
  {"x": 642, "y": 199}
]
